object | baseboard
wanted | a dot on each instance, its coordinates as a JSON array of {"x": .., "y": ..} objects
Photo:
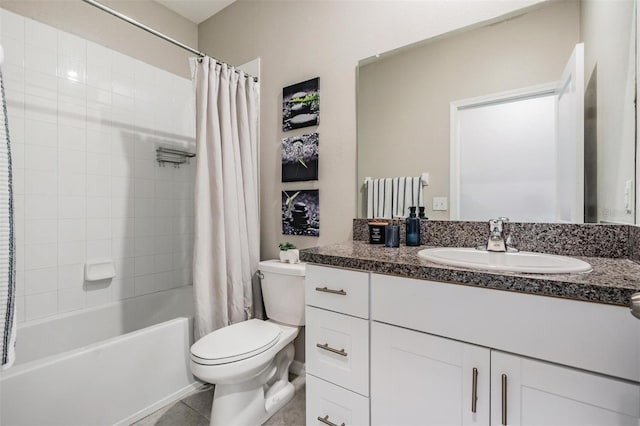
[
  {"x": 176, "y": 396},
  {"x": 297, "y": 368}
]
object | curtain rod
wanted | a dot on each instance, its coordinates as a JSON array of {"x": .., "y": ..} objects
[{"x": 154, "y": 32}]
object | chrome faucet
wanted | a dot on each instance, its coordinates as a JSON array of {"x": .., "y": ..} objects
[
  {"x": 496, "y": 236},
  {"x": 500, "y": 238}
]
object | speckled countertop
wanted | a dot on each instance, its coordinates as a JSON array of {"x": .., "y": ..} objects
[{"x": 611, "y": 281}]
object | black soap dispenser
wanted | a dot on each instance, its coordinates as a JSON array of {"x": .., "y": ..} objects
[{"x": 412, "y": 225}]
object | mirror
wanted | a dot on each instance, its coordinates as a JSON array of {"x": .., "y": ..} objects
[{"x": 412, "y": 107}]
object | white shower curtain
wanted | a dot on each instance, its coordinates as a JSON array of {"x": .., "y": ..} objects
[{"x": 227, "y": 226}]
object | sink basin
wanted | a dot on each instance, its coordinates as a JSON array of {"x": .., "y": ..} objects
[{"x": 524, "y": 261}]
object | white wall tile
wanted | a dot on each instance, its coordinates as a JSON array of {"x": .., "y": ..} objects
[
  {"x": 72, "y": 184},
  {"x": 122, "y": 167},
  {"x": 165, "y": 280},
  {"x": 98, "y": 142},
  {"x": 71, "y": 276},
  {"x": 144, "y": 246},
  {"x": 98, "y": 185},
  {"x": 144, "y": 188},
  {"x": 144, "y": 207},
  {"x": 164, "y": 262},
  {"x": 122, "y": 207},
  {"x": 98, "y": 293},
  {"x": 98, "y": 66},
  {"x": 16, "y": 128},
  {"x": 71, "y": 138},
  {"x": 71, "y": 253},
  {"x": 41, "y": 34},
  {"x": 122, "y": 227},
  {"x": 41, "y": 231},
  {"x": 39, "y": 256},
  {"x": 98, "y": 207},
  {"x": 145, "y": 284},
  {"x": 41, "y": 183},
  {"x": 122, "y": 288},
  {"x": 41, "y": 305},
  {"x": 13, "y": 51},
  {"x": 99, "y": 229},
  {"x": 20, "y": 283},
  {"x": 144, "y": 265},
  {"x": 125, "y": 267},
  {"x": 40, "y": 58},
  {"x": 122, "y": 187},
  {"x": 70, "y": 299},
  {"x": 122, "y": 247},
  {"x": 40, "y": 133},
  {"x": 19, "y": 181},
  {"x": 98, "y": 250},
  {"x": 98, "y": 164},
  {"x": 41, "y": 280},
  {"x": 41, "y": 207},
  {"x": 40, "y": 158},
  {"x": 70, "y": 230},
  {"x": 72, "y": 207}
]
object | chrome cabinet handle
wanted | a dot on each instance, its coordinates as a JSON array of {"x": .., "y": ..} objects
[
  {"x": 326, "y": 347},
  {"x": 328, "y": 290},
  {"x": 474, "y": 390},
  {"x": 326, "y": 421},
  {"x": 635, "y": 305},
  {"x": 504, "y": 400}
]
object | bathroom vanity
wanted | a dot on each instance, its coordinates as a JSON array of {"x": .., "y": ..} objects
[{"x": 393, "y": 339}]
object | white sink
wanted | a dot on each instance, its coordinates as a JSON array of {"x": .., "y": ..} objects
[{"x": 524, "y": 261}]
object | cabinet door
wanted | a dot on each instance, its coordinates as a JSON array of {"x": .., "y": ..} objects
[
  {"x": 421, "y": 379},
  {"x": 529, "y": 392}
]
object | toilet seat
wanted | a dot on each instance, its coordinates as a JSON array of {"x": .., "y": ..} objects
[{"x": 235, "y": 342}]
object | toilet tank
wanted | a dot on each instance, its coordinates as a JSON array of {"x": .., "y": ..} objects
[{"x": 283, "y": 291}]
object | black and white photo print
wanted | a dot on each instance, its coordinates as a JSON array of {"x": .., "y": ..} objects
[
  {"x": 301, "y": 212},
  {"x": 301, "y": 105},
  {"x": 300, "y": 158}
]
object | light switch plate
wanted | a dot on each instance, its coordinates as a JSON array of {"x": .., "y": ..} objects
[{"x": 440, "y": 203}]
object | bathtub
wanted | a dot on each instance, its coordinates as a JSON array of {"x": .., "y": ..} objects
[{"x": 113, "y": 364}]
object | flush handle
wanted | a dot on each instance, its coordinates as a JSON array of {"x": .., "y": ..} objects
[
  {"x": 635, "y": 305},
  {"x": 328, "y": 290},
  {"x": 326, "y": 421},
  {"x": 326, "y": 347}
]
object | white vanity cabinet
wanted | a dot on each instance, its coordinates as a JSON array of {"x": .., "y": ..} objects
[
  {"x": 337, "y": 346},
  {"x": 420, "y": 379},
  {"x": 428, "y": 337}
]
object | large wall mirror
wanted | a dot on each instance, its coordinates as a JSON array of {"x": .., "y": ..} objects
[{"x": 530, "y": 116}]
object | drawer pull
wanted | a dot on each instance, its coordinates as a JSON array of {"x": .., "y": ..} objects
[
  {"x": 504, "y": 400},
  {"x": 328, "y": 290},
  {"x": 326, "y": 421},
  {"x": 326, "y": 347},
  {"x": 474, "y": 390}
]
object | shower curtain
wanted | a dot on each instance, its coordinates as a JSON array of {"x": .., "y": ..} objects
[
  {"x": 8, "y": 319},
  {"x": 227, "y": 226}
]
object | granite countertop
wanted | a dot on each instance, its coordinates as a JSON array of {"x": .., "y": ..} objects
[{"x": 612, "y": 280}]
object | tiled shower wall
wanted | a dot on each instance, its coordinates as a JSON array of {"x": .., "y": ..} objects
[{"x": 84, "y": 123}]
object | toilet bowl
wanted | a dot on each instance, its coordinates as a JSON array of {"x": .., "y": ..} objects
[{"x": 249, "y": 361}]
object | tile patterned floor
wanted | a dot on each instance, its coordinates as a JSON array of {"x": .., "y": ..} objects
[{"x": 195, "y": 409}]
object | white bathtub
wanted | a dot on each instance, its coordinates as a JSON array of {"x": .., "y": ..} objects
[{"x": 108, "y": 365}]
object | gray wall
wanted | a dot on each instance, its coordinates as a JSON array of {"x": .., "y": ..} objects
[{"x": 79, "y": 18}]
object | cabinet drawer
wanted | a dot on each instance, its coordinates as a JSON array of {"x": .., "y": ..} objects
[
  {"x": 337, "y": 349},
  {"x": 590, "y": 336},
  {"x": 338, "y": 290},
  {"x": 334, "y": 404}
]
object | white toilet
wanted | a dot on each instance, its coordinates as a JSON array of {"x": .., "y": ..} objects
[{"x": 249, "y": 361}]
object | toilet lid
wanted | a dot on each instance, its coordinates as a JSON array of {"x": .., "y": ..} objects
[{"x": 235, "y": 342}]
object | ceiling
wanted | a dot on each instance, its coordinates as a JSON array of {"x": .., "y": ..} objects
[{"x": 196, "y": 11}]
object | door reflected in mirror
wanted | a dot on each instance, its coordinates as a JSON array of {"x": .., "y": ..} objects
[{"x": 414, "y": 107}]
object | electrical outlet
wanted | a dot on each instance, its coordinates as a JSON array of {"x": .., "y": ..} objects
[{"x": 440, "y": 203}]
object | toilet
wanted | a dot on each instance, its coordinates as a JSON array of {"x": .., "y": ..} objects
[{"x": 248, "y": 362}]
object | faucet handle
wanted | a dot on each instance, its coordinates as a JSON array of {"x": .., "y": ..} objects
[{"x": 495, "y": 225}]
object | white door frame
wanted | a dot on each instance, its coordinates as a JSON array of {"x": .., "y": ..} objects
[{"x": 545, "y": 89}]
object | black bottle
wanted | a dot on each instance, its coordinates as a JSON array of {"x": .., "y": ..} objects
[{"x": 413, "y": 228}]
